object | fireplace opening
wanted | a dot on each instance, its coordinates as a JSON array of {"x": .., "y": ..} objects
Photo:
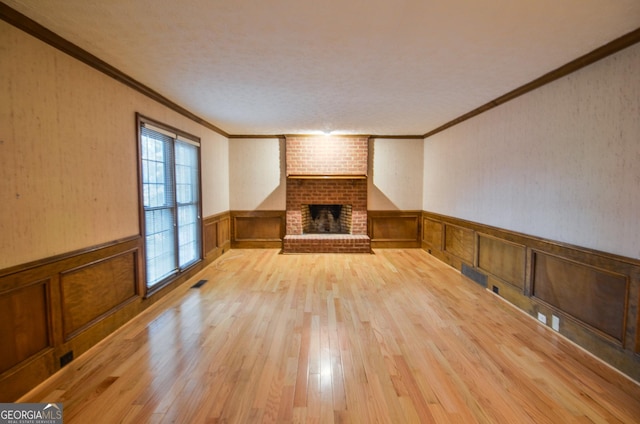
[{"x": 326, "y": 219}]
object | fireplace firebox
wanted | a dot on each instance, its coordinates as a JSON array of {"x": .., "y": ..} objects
[{"x": 326, "y": 219}]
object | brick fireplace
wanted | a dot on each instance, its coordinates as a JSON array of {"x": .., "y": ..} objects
[{"x": 329, "y": 173}]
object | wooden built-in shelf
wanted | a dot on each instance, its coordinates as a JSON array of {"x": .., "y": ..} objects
[{"x": 327, "y": 177}]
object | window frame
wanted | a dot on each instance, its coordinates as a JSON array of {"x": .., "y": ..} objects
[{"x": 182, "y": 136}]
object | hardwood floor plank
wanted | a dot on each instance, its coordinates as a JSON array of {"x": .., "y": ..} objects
[
  {"x": 392, "y": 337},
  {"x": 300, "y": 397}
]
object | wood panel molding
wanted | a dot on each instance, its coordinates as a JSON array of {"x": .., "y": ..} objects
[
  {"x": 428, "y": 340},
  {"x": 266, "y": 229},
  {"x": 432, "y": 234},
  {"x": 257, "y": 229},
  {"x": 593, "y": 295},
  {"x": 503, "y": 259},
  {"x": 47, "y": 303},
  {"x": 216, "y": 235},
  {"x": 459, "y": 242},
  {"x": 93, "y": 291},
  {"x": 394, "y": 229},
  {"x": 64, "y": 305},
  {"x": 209, "y": 236},
  {"x": 65, "y": 261},
  {"x": 24, "y": 325}
]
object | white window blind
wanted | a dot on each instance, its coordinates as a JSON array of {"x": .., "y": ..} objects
[{"x": 171, "y": 202}]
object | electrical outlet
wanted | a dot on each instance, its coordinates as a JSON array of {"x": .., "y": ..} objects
[
  {"x": 555, "y": 322},
  {"x": 542, "y": 318}
]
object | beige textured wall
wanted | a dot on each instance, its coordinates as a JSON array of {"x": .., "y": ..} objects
[
  {"x": 561, "y": 162},
  {"x": 396, "y": 170},
  {"x": 68, "y": 167},
  {"x": 215, "y": 170},
  {"x": 257, "y": 174}
]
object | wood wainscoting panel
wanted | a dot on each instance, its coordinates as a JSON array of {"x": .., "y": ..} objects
[
  {"x": 24, "y": 323},
  {"x": 210, "y": 230},
  {"x": 95, "y": 289},
  {"x": 395, "y": 337},
  {"x": 257, "y": 229},
  {"x": 43, "y": 302},
  {"x": 459, "y": 241},
  {"x": 503, "y": 259},
  {"x": 224, "y": 232},
  {"x": 594, "y": 296},
  {"x": 55, "y": 309},
  {"x": 394, "y": 229},
  {"x": 432, "y": 232},
  {"x": 215, "y": 231}
]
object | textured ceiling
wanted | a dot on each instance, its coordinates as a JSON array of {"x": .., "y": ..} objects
[{"x": 391, "y": 67}]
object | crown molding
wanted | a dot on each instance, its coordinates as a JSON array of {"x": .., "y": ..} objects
[
  {"x": 256, "y": 136},
  {"x": 608, "y": 49},
  {"x": 33, "y": 28},
  {"x": 397, "y": 137}
]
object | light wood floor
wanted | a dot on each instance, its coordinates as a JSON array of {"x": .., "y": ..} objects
[{"x": 394, "y": 337}]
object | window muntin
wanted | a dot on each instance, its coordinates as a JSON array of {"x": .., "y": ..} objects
[
  {"x": 187, "y": 199},
  {"x": 171, "y": 202}
]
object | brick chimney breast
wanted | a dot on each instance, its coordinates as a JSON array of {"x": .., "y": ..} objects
[
  {"x": 327, "y": 156},
  {"x": 327, "y": 171}
]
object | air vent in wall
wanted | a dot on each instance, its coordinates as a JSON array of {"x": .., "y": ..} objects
[
  {"x": 474, "y": 274},
  {"x": 66, "y": 358}
]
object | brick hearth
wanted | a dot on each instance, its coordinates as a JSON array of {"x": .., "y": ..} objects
[{"x": 327, "y": 243}]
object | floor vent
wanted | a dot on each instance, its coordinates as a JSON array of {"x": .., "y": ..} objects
[
  {"x": 474, "y": 274},
  {"x": 199, "y": 284}
]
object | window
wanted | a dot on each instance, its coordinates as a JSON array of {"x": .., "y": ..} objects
[{"x": 170, "y": 177}]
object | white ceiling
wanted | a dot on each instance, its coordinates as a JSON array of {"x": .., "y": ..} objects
[{"x": 392, "y": 67}]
